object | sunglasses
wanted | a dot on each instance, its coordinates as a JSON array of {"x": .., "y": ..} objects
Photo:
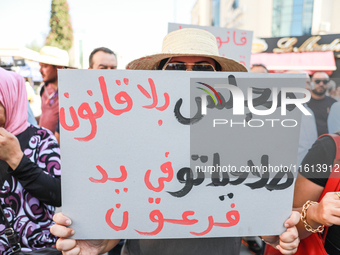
[
  {"x": 203, "y": 158},
  {"x": 194, "y": 67},
  {"x": 323, "y": 81}
]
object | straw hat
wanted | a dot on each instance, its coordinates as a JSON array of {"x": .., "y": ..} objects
[
  {"x": 53, "y": 56},
  {"x": 187, "y": 42}
]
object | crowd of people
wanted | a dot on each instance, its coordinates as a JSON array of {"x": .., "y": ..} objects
[{"x": 29, "y": 155}]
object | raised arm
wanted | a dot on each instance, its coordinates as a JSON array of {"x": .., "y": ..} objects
[
  {"x": 310, "y": 185},
  {"x": 38, "y": 169},
  {"x": 326, "y": 213}
]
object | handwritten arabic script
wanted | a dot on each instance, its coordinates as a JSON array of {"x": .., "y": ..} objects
[
  {"x": 130, "y": 150},
  {"x": 122, "y": 98}
]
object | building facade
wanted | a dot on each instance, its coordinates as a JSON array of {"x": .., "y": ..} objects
[
  {"x": 270, "y": 18},
  {"x": 304, "y": 32}
]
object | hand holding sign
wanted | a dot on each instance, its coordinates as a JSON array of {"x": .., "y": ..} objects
[
  {"x": 72, "y": 246},
  {"x": 176, "y": 162},
  {"x": 288, "y": 241}
]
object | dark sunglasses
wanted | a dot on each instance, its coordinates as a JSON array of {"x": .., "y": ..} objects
[
  {"x": 203, "y": 158},
  {"x": 324, "y": 81},
  {"x": 194, "y": 67}
]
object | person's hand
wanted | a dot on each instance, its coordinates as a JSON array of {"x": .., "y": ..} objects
[
  {"x": 327, "y": 212},
  {"x": 72, "y": 246},
  {"x": 287, "y": 242},
  {"x": 10, "y": 150}
]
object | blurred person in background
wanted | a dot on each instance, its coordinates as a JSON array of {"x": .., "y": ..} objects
[
  {"x": 51, "y": 59},
  {"x": 30, "y": 97},
  {"x": 258, "y": 68},
  {"x": 331, "y": 89},
  {"x": 319, "y": 103},
  {"x": 100, "y": 58},
  {"x": 337, "y": 93}
]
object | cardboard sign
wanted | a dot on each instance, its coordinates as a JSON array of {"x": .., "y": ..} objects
[
  {"x": 162, "y": 154},
  {"x": 232, "y": 43}
]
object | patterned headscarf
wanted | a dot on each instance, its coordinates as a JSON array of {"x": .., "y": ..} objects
[{"x": 13, "y": 97}]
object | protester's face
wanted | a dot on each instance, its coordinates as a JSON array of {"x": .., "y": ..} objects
[
  {"x": 258, "y": 69},
  {"x": 2, "y": 115},
  {"x": 320, "y": 81},
  {"x": 190, "y": 61},
  {"x": 48, "y": 72},
  {"x": 102, "y": 60}
]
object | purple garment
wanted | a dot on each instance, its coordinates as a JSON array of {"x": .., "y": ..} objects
[{"x": 38, "y": 173}]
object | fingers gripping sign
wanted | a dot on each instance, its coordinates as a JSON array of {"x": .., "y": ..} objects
[
  {"x": 288, "y": 241},
  {"x": 72, "y": 246}
]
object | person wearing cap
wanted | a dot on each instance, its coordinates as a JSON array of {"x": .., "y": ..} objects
[
  {"x": 50, "y": 59},
  {"x": 190, "y": 50}
]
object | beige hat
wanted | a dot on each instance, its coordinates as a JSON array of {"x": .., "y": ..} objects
[
  {"x": 187, "y": 42},
  {"x": 53, "y": 56}
]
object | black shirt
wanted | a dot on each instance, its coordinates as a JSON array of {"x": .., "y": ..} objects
[
  {"x": 323, "y": 153},
  {"x": 320, "y": 109}
]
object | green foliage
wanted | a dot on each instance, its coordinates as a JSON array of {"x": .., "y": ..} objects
[
  {"x": 34, "y": 45},
  {"x": 61, "y": 34}
]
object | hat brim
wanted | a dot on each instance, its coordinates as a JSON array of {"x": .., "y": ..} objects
[
  {"x": 53, "y": 61},
  {"x": 151, "y": 62}
]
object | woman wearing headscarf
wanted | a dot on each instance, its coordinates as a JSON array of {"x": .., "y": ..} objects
[{"x": 29, "y": 172}]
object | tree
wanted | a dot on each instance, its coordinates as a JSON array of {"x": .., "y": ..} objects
[
  {"x": 61, "y": 34},
  {"x": 34, "y": 45}
]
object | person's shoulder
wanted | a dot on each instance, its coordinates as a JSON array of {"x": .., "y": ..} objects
[
  {"x": 42, "y": 89},
  {"x": 336, "y": 104},
  {"x": 325, "y": 139},
  {"x": 330, "y": 99},
  {"x": 325, "y": 143},
  {"x": 31, "y": 130},
  {"x": 322, "y": 146},
  {"x": 335, "y": 108},
  {"x": 44, "y": 133}
]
